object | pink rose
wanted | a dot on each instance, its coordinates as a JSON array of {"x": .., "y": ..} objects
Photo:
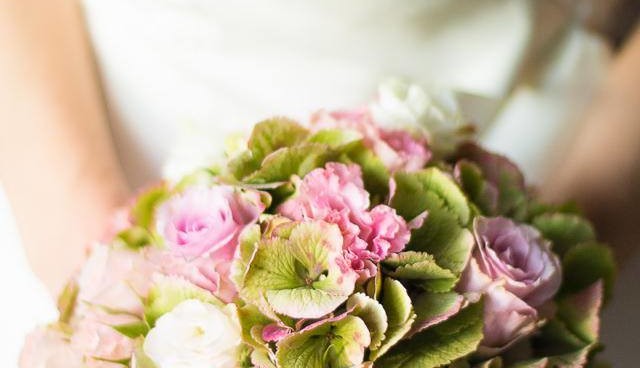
[
  {"x": 514, "y": 268},
  {"x": 336, "y": 194},
  {"x": 99, "y": 342},
  {"x": 116, "y": 278},
  {"x": 207, "y": 220},
  {"x": 398, "y": 150},
  {"x": 48, "y": 347}
]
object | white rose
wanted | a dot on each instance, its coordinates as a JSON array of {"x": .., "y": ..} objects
[
  {"x": 195, "y": 335},
  {"x": 436, "y": 112}
]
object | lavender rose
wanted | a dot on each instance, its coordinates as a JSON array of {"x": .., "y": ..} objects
[{"x": 514, "y": 268}]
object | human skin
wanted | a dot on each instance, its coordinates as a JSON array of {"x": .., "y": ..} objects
[
  {"x": 602, "y": 169},
  {"x": 57, "y": 162}
]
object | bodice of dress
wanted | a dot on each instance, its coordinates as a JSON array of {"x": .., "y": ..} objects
[{"x": 189, "y": 72}]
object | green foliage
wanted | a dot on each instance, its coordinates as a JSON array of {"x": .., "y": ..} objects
[
  {"x": 440, "y": 345},
  {"x": 373, "y": 315},
  {"x": 297, "y": 274},
  {"x": 134, "y": 238},
  {"x": 133, "y": 329},
  {"x": 400, "y": 315},
  {"x": 422, "y": 269},
  {"x": 586, "y": 263},
  {"x": 168, "y": 292},
  {"x": 67, "y": 301},
  {"x": 564, "y": 230},
  {"x": 267, "y": 137},
  {"x": 280, "y": 165},
  {"x": 336, "y": 343},
  {"x": 444, "y": 233},
  {"x": 434, "y": 308},
  {"x": 143, "y": 211},
  {"x": 570, "y": 338}
]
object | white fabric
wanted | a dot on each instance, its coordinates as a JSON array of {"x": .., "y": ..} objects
[{"x": 220, "y": 66}]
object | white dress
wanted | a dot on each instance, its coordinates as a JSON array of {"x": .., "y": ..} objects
[{"x": 179, "y": 75}]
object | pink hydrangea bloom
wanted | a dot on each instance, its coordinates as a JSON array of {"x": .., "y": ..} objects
[
  {"x": 398, "y": 150},
  {"x": 336, "y": 195},
  {"x": 207, "y": 220}
]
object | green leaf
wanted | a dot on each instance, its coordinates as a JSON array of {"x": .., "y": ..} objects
[
  {"x": 133, "y": 329},
  {"x": 286, "y": 162},
  {"x": 270, "y": 135},
  {"x": 475, "y": 186},
  {"x": 267, "y": 137},
  {"x": 335, "y": 138},
  {"x": 421, "y": 268},
  {"x": 374, "y": 172},
  {"x": 143, "y": 210},
  {"x": 444, "y": 233},
  {"x": 505, "y": 183},
  {"x": 247, "y": 248},
  {"x": 580, "y": 312},
  {"x": 249, "y": 317},
  {"x": 440, "y": 345},
  {"x": 564, "y": 230},
  {"x": 373, "y": 315},
  {"x": 569, "y": 338},
  {"x": 434, "y": 308},
  {"x": 586, "y": 263},
  {"x": 168, "y": 292},
  {"x": 67, "y": 301},
  {"x": 261, "y": 359},
  {"x": 141, "y": 359},
  {"x": 300, "y": 275},
  {"x": 134, "y": 238},
  {"x": 337, "y": 343},
  {"x": 400, "y": 315}
]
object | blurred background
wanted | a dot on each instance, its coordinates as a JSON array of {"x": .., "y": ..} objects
[{"x": 101, "y": 97}]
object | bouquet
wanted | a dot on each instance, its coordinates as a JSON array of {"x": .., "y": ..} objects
[{"x": 376, "y": 237}]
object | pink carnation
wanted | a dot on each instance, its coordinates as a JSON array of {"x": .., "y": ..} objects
[
  {"x": 207, "y": 220},
  {"x": 398, "y": 150},
  {"x": 336, "y": 195}
]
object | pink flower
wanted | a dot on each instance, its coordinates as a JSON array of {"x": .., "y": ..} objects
[
  {"x": 115, "y": 278},
  {"x": 207, "y": 220},
  {"x": 514, "y": 268},
  {"x": 336, "y": 194},
  {"x": 99, "y": 342},
  {"x": 48, "y": 347},
  {"x": 398, "y": 150},
  {"x": 206, "y": 272}
]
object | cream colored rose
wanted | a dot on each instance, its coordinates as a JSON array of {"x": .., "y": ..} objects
[
  {"x": 436, "y": 112},
  {"x": 195, "y": 335}
]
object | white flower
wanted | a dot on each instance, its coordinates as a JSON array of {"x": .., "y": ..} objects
[
  {"x": 195, "y": 335},
  {"x": 406, "y": 105}
]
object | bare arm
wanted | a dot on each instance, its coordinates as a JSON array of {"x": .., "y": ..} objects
[
  {"x": 57, "y": 162},
  {"x": 602, "y": 170}
]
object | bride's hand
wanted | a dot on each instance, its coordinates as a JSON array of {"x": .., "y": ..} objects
[
  {"x": 602, "y": 170},
  {"x": 57, "y": 163}
]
